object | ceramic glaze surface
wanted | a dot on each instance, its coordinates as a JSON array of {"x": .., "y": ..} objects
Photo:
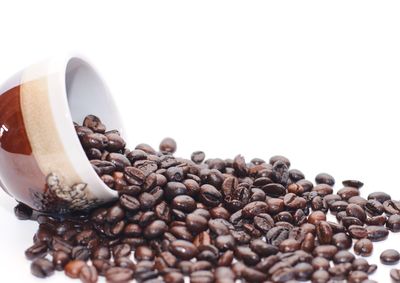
[{"x": 42, "y": 163}]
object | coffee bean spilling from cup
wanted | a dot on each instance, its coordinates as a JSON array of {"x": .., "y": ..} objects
[{"x": 214, "y": 220}]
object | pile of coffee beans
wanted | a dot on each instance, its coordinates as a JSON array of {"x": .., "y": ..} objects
[{"x": 215, "y": 220}]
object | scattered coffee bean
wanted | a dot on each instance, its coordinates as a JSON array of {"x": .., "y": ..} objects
[
  {"x": 390, "y": 257},
  {"x": 215, "y": 220}
]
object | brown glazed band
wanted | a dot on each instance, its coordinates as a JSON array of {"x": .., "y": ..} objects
[{"x": 16, "y": 152}]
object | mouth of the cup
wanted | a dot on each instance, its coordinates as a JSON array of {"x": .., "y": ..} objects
[{"x": 88, "y": 94}]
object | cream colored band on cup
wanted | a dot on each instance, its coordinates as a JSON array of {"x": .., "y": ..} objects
[{"x": 47, "y": 147}]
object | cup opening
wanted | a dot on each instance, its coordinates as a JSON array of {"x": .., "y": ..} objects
[{"x": 88, "y": 94}]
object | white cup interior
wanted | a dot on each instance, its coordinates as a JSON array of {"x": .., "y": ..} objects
[{"x": 88, "y": 94}]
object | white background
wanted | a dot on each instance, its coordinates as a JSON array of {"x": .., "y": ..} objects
[{"x": 317, "y": 81}]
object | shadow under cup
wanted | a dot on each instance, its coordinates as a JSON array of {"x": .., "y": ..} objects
[{"x": 42, "y": 162}]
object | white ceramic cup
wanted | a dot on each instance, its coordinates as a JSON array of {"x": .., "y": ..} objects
[{"x": 42, "y": 162}]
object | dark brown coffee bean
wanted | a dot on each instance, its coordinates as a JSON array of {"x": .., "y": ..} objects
[
  {"x": 94, "y": 140},
  {"x": 377, "y": 233},
  {"x": 184, "y": 203},
  {"x": 38, "y": 249},
  {"x": 342, "y": 241},
  {"x": 379, "y": 196},
  {"x": 324, "y": 232},
  {"x": 320, "y": 263},
  {"x": 391, "y": 207},
  {"x": 247, "y": 255},
  {"x": 390, "y": 257},
  {"x": 357, "y": 231},
  {"x": 326, "y": 251},
  {"x": 316, "y": 217},
  {"x": 363, "y": 247},
  {"x": 94, "y": 123},
  {"x": 114, "y": 214},
  {"x": 320, "y": 276},
  {"x": 277, "y": 235},
  {"x": 144, "y": 253},
  {"x": 374, "y": 207},
  {"x": 168, "y": 145},
  {"x": 173, "y": 277},
  {"x": 198, "y": 157},
  {"x": 343, "y": 257},
  {"x": 196, "y": 223},
  {"x": 173, "y": 189},
  {"x": 254, "y": 208},
  {"x": 80, "y": 253},
  {"x": 378, "y": 220},
  {"x": 118, "y": 274},
  {"x": 22, "y": 211},
  {"x": 395, "y": 275},
  {"x": 155, "y": 229},
  {"x": 121, "y": 250},
  {"x": 393, "y": 223},
  {"x": 353, "y": 183},
  {"x": 262, "y": 248},
  {"x": 322, "y": 189},
  {"x": 88, "y": 274},
  {"x": 209, "y": 195},
  {"x": 183, "y": 249},
  {"x": 303, "y": 271},
  {"x": 60, "y": 259},
  {"x": 73, "y": 268},
  {"x": 356, "y": 211},
  {"x": 360, "y": 264},
  {"x": 42, "y": 268},
  {"x": 289, "y": 245},
  {"x": 324, "y": 178}
]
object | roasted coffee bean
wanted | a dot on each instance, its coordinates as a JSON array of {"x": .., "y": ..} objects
[
  {"x": 38, "y": 249},
  {"x": 42, "y": 268},
  {"x": 353, "y": 183},
  {"x": 155, "y": 229},
  {"x": 357, "y": 231},
  {"x": 247, "y": 255},
  {"x": 374, "y": 207},
  {"x": 80, "y": 253},
  {"x": 22, "y": 211},
  {"x": 363, "y": 247},
  {"x": 378, "y": 220},
  {"x": 320, "y": 276},
  {"x": 60, "y": 259},
  {"x": 276, "y": 235},
  {"x": 322, "y": 189},
  {"x": 183, "y": 249},
  {"x": 379, "y": 196},
  {"x": 316, "y": 217},
  {"x": 94, "y": 123},
  {"x": 303, "y": 271},
  {"x": 326, "y": 251},
  {"x": 289, "y": 245},
  {"x": 324, "y": 178},
  {"x": 209, "y": 195},
  {"x": 73, "y": 268},
  {"x": 168, "y": 145},
  {"x": 390, "y": 257},
  {"x": 118, "y": 274},
  {"x": 393, "y": 223},
  {"x": 198, "y": 157},
  {"x": 395, "y": 275},
  {"x": 173, "y": 277},
  {"x": 184, "y": 203},
  {"x": 391, "y": 207},
  {"x": 88, "y": 274},
  {"x": 121, "y": 250},
  {"x": 348, "y": 192},
  {"x": 356, "y": 211},
  {"x": 254, "y": 208},
  {"x": 320, "y": 263},
  {"x": 324, "y": 232},
  {"x": 377, "y": 233},
  {"x": 343, "y": 257}
]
